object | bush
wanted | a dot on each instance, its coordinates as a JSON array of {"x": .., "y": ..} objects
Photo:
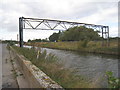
[{"x": 112, "y": 81}]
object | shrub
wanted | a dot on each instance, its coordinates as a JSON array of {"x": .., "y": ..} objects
[{"x": 113, "y": 82}]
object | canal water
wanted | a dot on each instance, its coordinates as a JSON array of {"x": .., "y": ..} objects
[{"x": 92, "y": 66}]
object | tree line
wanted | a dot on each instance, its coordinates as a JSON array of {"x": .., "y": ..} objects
[
  {"x": 75, "y": 34},
  {"x": 38, "y": 40},
  {"x": 80, "y": 33}
]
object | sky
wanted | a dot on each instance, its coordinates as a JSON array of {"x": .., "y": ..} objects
[{"x": 103, "y": 12}]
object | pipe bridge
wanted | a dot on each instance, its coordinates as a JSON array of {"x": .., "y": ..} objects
[{"x": 48, "y": 24}]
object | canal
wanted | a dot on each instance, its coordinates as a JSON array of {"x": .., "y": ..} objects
[{"x": 92, "y": 66}]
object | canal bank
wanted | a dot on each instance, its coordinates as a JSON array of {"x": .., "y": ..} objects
[
  {"x": 81, "y": 46},
  {"x": 33, "y": 76}
]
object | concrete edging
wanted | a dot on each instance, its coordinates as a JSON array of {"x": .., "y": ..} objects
[{"x": 36, "y": 78}]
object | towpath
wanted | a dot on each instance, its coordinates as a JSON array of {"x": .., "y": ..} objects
[{"x": 8, "y": 74}]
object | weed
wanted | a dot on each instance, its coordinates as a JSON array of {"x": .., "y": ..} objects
[{"x": 113, "y": 82}]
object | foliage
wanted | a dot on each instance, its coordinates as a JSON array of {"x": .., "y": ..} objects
[
  {"x": 79, "y": 33},
  {"x": 114, "y": 38},
  {"x": 29, "y": 40},
  {"x": 54, "y": 36},
  {"x": 113, "y": 82},
  {"x": 10, "y": 42},
  {"x": 38, "y": 40},
  {"x": 84, "y": 46}
]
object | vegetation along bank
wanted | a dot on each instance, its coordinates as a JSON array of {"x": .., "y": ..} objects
[{"x": 79, "y": 39}]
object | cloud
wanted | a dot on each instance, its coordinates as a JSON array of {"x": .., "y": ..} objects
[
  {"x": 115, "y": 30},
  {"x": 72, "y": 10},
  {"x": 109, "y": 14}
]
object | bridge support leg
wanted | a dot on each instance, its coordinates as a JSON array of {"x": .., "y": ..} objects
[
  {"x": 108, "y": 40},
  {"x": 102, "y": 37},
  {"x": 21, "y": 32}
]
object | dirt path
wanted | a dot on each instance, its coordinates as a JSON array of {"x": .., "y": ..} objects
[{"x": 8, "y": 74}]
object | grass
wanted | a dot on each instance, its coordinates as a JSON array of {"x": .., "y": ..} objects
[
  {"x": 82, "y": 46},
  {"x": 49, "y": 64}
]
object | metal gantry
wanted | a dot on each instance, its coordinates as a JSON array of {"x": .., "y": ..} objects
[{"x": 48, "y": 24}]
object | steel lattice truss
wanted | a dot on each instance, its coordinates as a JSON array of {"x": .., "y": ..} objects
[{"x": 47, "y": 24}]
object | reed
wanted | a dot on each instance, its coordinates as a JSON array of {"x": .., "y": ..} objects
[{"x": 82, "y": 46}]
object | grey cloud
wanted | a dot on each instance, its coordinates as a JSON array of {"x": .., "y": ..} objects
[{"x": 42, "y": 10}]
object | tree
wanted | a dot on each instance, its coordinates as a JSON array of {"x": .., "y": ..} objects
[
  {"x": 44, "y": 40},
  {"x": 54, "y": 36},
  {"x": 79, "y": 33},
  {"x": 29, "y": 40}
]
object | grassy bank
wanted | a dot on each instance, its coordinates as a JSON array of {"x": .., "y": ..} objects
[
  {"x": 83, "y": 46},
  {"x": 50, "y": 65}
]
